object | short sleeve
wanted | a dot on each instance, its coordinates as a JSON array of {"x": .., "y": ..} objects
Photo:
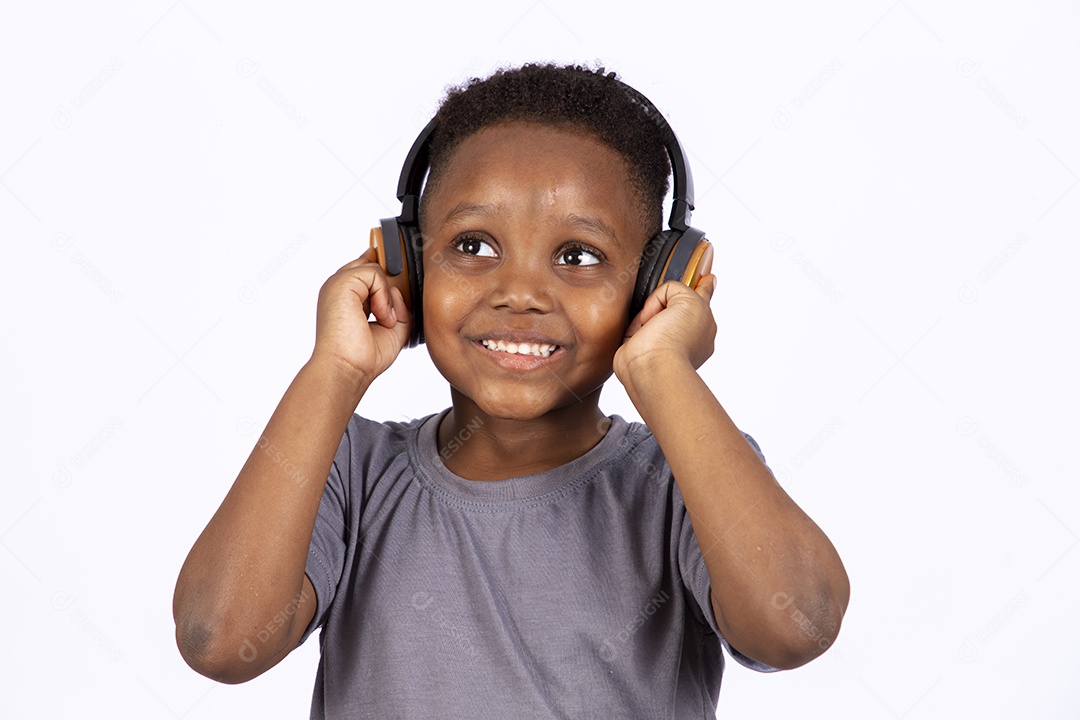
[
  {"x": 695, "y": 575},
  {"x": 330, "y": 536}
]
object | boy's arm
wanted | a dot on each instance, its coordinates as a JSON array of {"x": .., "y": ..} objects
[
  {"x": 245, "y": 572},
  {"x": 779, "y": 589}
]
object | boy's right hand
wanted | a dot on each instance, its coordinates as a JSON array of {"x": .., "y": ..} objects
[{"x": 343, "y": 333}]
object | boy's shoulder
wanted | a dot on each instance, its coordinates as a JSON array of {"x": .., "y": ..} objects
[
  {"x": 414, "y": 440},
  {"x": 362, "y": 431}
]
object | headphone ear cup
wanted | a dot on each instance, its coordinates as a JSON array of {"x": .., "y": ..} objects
[
  {"x": 654, "y": 257},
  {"x": 399, "y": 250},
  {"x": 412, "y": 242},
  {"x": 689, "y": 259}
]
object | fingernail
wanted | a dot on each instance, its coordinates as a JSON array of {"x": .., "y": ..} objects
[{"x": 393, "y": 313}]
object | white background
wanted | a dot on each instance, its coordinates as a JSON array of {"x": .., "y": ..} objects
[{"x": 892, "y": 189}]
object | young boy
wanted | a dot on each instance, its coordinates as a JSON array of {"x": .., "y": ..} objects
[{"x": 518, "y": 554}]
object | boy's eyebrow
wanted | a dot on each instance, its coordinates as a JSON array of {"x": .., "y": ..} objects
[
  {"x": 465, "y": 208},
  {"x": 592, "y": 225}
]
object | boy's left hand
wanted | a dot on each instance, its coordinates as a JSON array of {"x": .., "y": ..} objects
[{"x": 675, "y": 322}]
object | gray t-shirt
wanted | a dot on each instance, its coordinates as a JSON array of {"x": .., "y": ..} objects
[{"x": 576, "y": 593}]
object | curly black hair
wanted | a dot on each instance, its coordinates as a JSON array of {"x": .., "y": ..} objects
[{"x": 586, "y": 99}]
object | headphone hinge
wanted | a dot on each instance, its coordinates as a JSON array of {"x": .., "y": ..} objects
[
  {"x": 680, "y": 215},
  {"x": 410, "y": 210}
]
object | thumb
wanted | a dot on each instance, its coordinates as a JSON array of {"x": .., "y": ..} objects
[
  {"x": 403, "y": 326},
  {"x": 654, "y": 303},
  {"x": 706, "y": 286}
]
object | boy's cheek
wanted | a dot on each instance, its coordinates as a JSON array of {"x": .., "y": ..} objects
[{"x": 442, "y": 278}]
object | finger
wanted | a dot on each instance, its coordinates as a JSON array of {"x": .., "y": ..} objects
[
  {"x": 380, "y": 299},
  {"x": 674, "y": 291},
  {"x": 401, "y": 309},
  {"x": 653, "y": 305},
  {"x": 403, "y": 328},
  {"x": 706, "y": 286},
  {"x": 368, "y": 257}
]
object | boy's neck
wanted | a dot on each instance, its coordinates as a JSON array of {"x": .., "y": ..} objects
[{"x": 477, "y": 446}]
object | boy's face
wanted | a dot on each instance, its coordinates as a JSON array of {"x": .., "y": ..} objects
[{"x": 532, "y": 239}]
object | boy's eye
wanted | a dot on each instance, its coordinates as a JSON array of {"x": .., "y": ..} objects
[
  {"x": 577, "y": 256},
  {"x": 474, "y": 246}
]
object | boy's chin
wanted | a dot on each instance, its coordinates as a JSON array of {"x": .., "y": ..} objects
[{"x": 525, "y": 408}]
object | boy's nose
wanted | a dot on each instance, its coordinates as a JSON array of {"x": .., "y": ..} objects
[{"x": 523, "y": 284}]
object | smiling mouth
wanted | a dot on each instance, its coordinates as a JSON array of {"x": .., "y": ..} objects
[{"x": 541, "y": 350}]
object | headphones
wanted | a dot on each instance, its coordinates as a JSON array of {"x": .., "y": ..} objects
[{"x": 680, "y": 253}]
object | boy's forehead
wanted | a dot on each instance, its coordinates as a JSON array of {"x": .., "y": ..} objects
[{"x": 554, "y": 161}]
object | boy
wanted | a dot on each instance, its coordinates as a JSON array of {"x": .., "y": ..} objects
[{"x": 519, "y": 554}]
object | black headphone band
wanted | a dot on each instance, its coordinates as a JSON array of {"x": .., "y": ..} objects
[{"x": 418, "y": 161}]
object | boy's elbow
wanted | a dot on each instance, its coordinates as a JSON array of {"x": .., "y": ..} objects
[
  {"x": 799, "y": 651},
  {"x": 808, "y": 635},
  {"x": 793, "y": 634},
  {"x": 792, "y": 649},
  {"x": 207, "y": 655}
]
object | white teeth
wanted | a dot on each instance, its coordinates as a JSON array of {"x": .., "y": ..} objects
[{"x": 535, "y": 349}]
